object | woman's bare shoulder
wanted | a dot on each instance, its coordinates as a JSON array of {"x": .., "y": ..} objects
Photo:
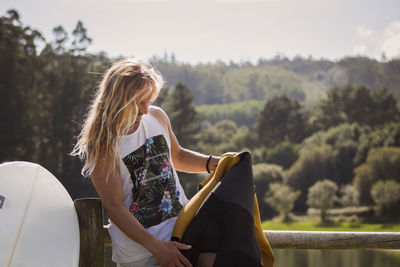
[{"x": 160, "y": 115}]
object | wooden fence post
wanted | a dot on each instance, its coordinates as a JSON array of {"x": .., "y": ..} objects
[{"x": 90, "y": 216}]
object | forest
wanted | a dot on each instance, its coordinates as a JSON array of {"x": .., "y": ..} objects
[{"x": 323, "y": 134}]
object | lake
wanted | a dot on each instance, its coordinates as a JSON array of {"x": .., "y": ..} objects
[
  {"x": 336, "y": 258},
  {"x": 324, "y": 258}
]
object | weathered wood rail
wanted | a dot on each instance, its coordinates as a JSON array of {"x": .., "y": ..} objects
[
  {"x": 94, "y": 236},
  {"x": 333, "y": 240}
]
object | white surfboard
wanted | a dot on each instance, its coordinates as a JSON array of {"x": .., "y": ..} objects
[{"x": 38, "y": 221}]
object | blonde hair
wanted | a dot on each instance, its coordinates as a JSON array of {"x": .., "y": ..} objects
[{"x": 114, "y": 110}]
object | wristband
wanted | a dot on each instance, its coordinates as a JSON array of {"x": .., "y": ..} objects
[{"x": 208, "y": 161}]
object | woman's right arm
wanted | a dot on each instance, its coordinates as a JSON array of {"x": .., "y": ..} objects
[{"x": 111, "y": 194}]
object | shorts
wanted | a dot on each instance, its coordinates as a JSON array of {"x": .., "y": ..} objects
[{"x": 146, "y": 262}]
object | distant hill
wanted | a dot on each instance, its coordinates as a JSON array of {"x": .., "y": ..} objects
[
  {"x": 242, "y": 113},
  {"x": 303, "y": 79}
]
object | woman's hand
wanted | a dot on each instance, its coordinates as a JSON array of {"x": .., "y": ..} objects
[{"x": 168, "y": 255}]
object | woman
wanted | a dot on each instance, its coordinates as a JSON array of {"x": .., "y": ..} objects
[{"x": 131, "y": 154}]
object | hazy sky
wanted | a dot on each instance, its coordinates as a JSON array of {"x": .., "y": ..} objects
[{"x": 207, "y": 30}]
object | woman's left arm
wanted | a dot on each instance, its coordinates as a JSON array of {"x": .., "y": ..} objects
[{"x": 184, "y": 160}]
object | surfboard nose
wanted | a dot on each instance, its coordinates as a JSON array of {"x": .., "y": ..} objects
[{"x": 35, "y": 208}]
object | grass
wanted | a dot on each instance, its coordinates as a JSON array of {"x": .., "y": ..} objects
[{"x": 315, "y": 225}]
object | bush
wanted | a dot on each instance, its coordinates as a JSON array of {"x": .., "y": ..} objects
[
  {"x": 382, "y": 164},
  {"x": 349, "y": 196},
  {"x": 312, "y": 166},
  {"x": 217, "y": 139},
  {"x": 386, "y": 136},
  {"x": 386, "y": 195},
  {"x": 283, "y": 154},
  {"x": 281, "y": 197},
  {"x": 264, "y": 175},
  {"x": 242, "y": 113},
  {"x": 345, "y": 140},
  {"x": 322, "y": 195},
  {"x": 350, "y": 104}
]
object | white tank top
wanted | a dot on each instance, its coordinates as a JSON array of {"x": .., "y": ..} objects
[{"x": 151, "y": 188}]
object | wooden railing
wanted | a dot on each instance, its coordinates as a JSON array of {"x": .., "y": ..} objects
[{"x": 94, "y": 236}]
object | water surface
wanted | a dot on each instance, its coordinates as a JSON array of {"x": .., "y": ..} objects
[{"x": 336, "y": 258}]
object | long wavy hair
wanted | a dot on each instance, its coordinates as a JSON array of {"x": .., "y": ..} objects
[{"x": 113, "y": 112}]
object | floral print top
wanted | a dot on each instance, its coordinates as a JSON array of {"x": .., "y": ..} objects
[{"x": 154, "y": 194}]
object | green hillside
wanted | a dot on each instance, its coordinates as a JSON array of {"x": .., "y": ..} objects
[{"x": 306, "y": 80}]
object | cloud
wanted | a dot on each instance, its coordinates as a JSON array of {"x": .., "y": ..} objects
[
  {"x": 393, "y": 29},
  {"x": 391, "y": 47},
  {"x": 376, "y": 43},
  {"x": 368, "y": 42},
  {"x": 359, "y": 50},
  {"x": 363, "y": 32},
  {"x": 391, "y": 40}
]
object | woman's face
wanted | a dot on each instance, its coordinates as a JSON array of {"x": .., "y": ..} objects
[{"x": 143, "y": 108}]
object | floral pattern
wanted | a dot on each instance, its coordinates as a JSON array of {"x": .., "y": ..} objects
[
  {"x": 155, "y": 197},
  {"x": 134, "y": 207},
  {"x": 165, "y": 205}
]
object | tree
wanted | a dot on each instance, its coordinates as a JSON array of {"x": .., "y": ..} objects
[
  {"x": 363, "y": 70},
  {"x": 382, "y": 163},
  {"x": 186, "y": 123},
  {"x": 386, "y": 195},
  {"x": 264, "y": 175},
  {"x": 385, "y": 108},
  {"x": 281, "y": 197},
  {"x": 345, "y": 140},
  {"x": 43, "y": 97},
  {"x": 283, "y": 154},
  {"x": 349, "y": 196},
  {"x": 322, "y": 195},
  {"x": 313, "y": 165},
  {"x": 162, "y": 96},
  {"x": 360, "y": 105},
  {"x": 219, "y": 138},
  {"x": 387, "y": 136},
  {"x": 19, "y": 67},
  {"x": 282, "y": 119},
  {"x": 61, "y": 37},
  {"x": 242, "y": 113},
  {"x": 81, "y": 40},
  {"x": 392, "y": 70}
]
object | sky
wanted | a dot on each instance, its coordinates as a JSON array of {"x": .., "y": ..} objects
[{"x": 203, "y": 31}]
